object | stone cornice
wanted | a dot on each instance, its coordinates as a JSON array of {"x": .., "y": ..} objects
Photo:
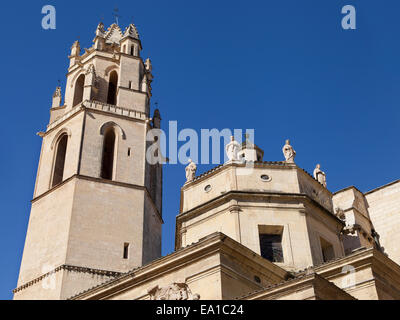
[
  {"x": 212, "y": 244},
  {"x": 58, "y": 108},
  {"x": 308, "y": 281},
  {"x": 347, "y": 188},
  {"x": 105, "y": 273},
  {"x": 382, "y": 187},
  {"x": 100, "y": 180},
  {"x": 231, "y": 194},
  {"x": 108, "y": 108},
  {"x": 366, "y": 258},
  {"x": 106, "y": 55},
  {"x": 64, "y": 118},
  {"x": 383, "y": 268},
  {"x": 96, "y": 106},
  {"x": 134, "y": 90}
]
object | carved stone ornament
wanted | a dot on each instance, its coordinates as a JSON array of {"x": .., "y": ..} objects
[
  {"x": 57, "y": 93},
  {"x": 319, "y": 175},
  {"x": 289, "y": 152},
  {"x": 191, "y": 171},
  {"x": 340, "y": 214},
  {"x": 232, "y": 149},
  {"x": 91, "y": 70},
  {"x": 175, "y": 291},
  {"x": 148, "y": 65}
]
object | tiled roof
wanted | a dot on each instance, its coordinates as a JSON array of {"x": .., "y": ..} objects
[{"x": 132, "y": 272}]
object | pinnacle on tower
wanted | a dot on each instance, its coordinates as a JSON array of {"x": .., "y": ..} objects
[{"x": 132, "y": 32}]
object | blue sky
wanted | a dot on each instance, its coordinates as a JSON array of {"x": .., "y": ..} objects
[{"x": 284, "y": 68}]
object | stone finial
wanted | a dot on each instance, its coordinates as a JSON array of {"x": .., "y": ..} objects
[
  {"x": 57, "y": 93},
  {"x": 232, "y": 149},
  {"x": 319, "y": 175},
  {"x": 100, "y": 32},
  {"x": 76, "y": 49},
  {"x": 157, "y": 114},
  {"x": 289, "y": 152},
  {"x": 148, "y": 65},
  {"x": 57, "y": 98},
  {"x": 191, "y": 171},
  {"x": 131, "y": 31}
]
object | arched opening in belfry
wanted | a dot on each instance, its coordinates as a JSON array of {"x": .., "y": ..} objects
[
  {"x": 112, "y": 88},
  {"x": 107, "y": 163},
  {"x": 78, "y": 94},
  {"x": 59, "y": 164}
]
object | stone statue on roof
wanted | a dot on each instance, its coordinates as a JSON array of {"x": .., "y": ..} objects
[
  {"x": 232, "y": 149},
  {"x": 289, "y": 152},
  {"x": 319, "y": 175},
  {"x": 191, "y": 171}
]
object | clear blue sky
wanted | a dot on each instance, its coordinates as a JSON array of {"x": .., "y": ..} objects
[{"x": 285, "y": 68}]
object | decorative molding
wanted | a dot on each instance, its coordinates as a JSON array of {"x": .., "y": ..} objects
[
  {"x": 112, "y": 124},
  {"x": 175, "y": 291},
  {"x": 110, "y": 69},
  {"x": 66, "y": 267},
  {"x": 101, "y": 107},
  {"x": 63, "y": 131},
  {"x": 75, "y": 77}
]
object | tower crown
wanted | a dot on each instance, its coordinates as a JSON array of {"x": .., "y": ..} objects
[
  {"x": 112, "y": 71},
  {"x": 114, "y": 34}
]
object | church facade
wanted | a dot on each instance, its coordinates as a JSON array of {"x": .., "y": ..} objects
[{"x": 247, "y": 229}]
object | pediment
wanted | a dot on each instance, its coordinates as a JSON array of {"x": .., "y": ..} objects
[{"x": 114, "y": 34}]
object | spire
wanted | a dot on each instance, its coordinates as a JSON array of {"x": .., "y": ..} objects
[
  {"x": 57, "y": 93},
  {"x": 100, "y": 32},
  {"x": 75, "y": 53},
  {"x": 57, "y": 98},
  {"x": 157, "y": 114},
  {"x": 76, "y": 49},
  {"x": 131, "y": 31}
]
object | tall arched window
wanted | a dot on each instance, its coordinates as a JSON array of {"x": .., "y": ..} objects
[
  {"x": 107, "y": 163},
  {"x": 59, "y": 163},
  {"x": 112, "y": 88},
  {"x": 78, "y": 94}
]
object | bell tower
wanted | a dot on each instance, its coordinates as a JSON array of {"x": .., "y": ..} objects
[{"x": 97, "y": 205}]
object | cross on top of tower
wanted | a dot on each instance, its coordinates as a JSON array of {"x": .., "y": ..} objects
[{"x": 116, "y": 15}]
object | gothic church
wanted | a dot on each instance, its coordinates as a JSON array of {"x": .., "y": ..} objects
[{"x": 265, "y": 231}]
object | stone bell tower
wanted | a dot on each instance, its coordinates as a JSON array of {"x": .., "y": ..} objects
[{"x": 96, "y": 209}]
